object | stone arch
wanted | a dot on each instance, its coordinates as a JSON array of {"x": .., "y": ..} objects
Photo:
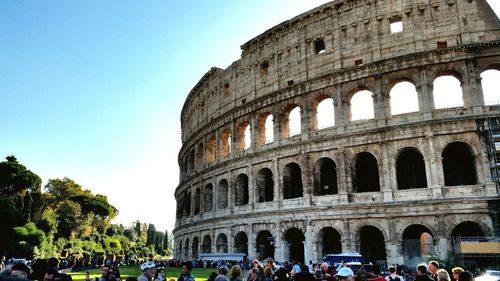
[
  {"x": 179, "y": 250},
  {"x": 221, "y": 243},
  {"x": 265, "y": 128},
  {"x": 206, "y": 246},
  {"x": 292, "y": 181},
  {"x": 323, "y": 111},
  {"x": 365, "y": 176},
  {"x": 208, "y": 195},
  {"x": 417, "y": 242},
  {"x": 459, "y": 166},
  {"x": 241, "y": 243},
  {"x": 241, "y": 190},
  {"x": 403, "y": 98},
  {"x": 291, "y": 123},
  {"x": 329, "y": 242},
  {"x": 222, "y": 194},
  {"x": 489, "y": 83},
  {"x": 244, "y": 137},
  {"x": 264, "y": 245},
  {"x": 468, "y": 229},
  {"x": 447, "y": 89},
  {"x": 361, "y": 105},
  {"x": 226, "y": 143},
  {"x": 325, "y": 177},
  {"x": 191, "y": 161},
  {"x": 197, "y": 201},
  {"x": 187, "y": 204},
  {"x": 200, "y": 155},
  {"x": 371, "y": 243},
  {"x": 410, "y": 169},
  {"x": 265, "y": 185},
  {"x": 294, "y": 239},
  {"x": 186, "y": 248},
  {"x": 195, "y": 248},
  {"x": 211, "y": 148}
]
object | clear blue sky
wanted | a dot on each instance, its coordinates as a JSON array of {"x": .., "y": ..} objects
[{"x": 93, "y": 89}]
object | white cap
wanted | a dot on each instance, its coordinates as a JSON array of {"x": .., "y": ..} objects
[
  {"x": 345, "y": 271},
  {"x": 148, "y": 265}
]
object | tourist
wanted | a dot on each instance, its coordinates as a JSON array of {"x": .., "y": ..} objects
[
  {"x": 345, "y": 274},
  {"x": 456, "y": 272},
  {"x": 376, "y": 274},
  {"x": 393, "y": 276},
  {"x": 186, "y": 272},
  {"x": 318, "y": 275},
  {"x": 104, "y": 274},
  {"x": 422, "y": 273},
  {"x": 268, "y": 274},
  {"x": 304, "y": 274},
  {"x": 222, "y": 274},
  {"x": 253, "y": 275},
  {"x": 269, "y": 263},
  {"x": 20, "y": 270},
  {"x": 433, "y": 267},
  {"x": 260, "y": 269},
  {"x": 2, "y": 263},
  {"x": 114, "y": 274},
  {"x": 38, "y": 270},
  {"x": 160, "y": 274},
  {"x": 235, "y": 273},
  {"x": 442, "y": 275},
  {"x": 465, "y": 276},
  {"x": 294, "y": 271},
  {"x": 148, "y": 271},
  {"x": 326, "y": 272}
]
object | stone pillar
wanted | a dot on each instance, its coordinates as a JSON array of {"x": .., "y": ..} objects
[
  {"x": 251, "y": 243},
  {"x": 385, "y": 173},
  {"x": 437, "y": 178},
  {"x": 347, "y": 246},
  {"x": 380, "y": 103},
  {"x": 305, "y": 118},
  {"x": 339, "y": 110},
  {"x": 394, "y": 252},
  {"x": 425, "y": 95},
  {"x": 343, "y": 182},
  {"x": 308, "y": 245},
  {"x": 280, "y": 248},
  {"x": 443, "y": 244}
]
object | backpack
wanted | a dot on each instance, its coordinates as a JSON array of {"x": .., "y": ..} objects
[{"x": 394, "y": 279}]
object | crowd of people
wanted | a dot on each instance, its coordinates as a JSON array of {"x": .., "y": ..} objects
[{"x": 268, "y": 270}]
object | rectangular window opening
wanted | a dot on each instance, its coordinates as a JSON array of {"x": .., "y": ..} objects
[
  {"x": 264, "y": 68},
  {"x": 358, "y": 62},
  {"x": 442, "y": 44},
  {"x": 396, "y": 25},
  {"x": 319, "y": 46}
]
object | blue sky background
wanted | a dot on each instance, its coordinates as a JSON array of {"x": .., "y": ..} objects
[{"x": 92, "y": 90}]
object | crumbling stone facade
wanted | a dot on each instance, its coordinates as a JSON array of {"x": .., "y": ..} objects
[{"x": 388, "y": 180}]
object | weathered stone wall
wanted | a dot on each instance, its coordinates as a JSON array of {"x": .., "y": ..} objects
[{"x": 281, "y": 68}]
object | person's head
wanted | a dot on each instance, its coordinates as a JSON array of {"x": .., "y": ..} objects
[
  {"x": 160, "y": 271},
  {"x": 252, "y": 274},
  {"x": 20, "y": 270},
  {"x": 324, "y": 266},
  {"x": 255, "y": 263},
  {"x": 376, "y": 270},
  {"x": 148, "y": 269},
  {"x": 235, "y": 270},
  {"x": 268, "y": 272},
  {"x": 392, "y": 269},
  {"x": 49, "y": 275},
  {"x": 442, "y": 275},
  {"x": 344, "y": 274},
  {"x": 456, "y": 272},
  {"x": 105, "y": 270},
  {"x": 421, "y": 269},
  {"x": 433, "y": 266},
  {"x": 223, "y": 270},
  {"x": 304, "y": 268},
  {"x": 465, "y": 276},
  {"x": 268, "y": 262},
  {"x": 53, "y": 263},
  {"x": 318, "y": 274},
  {"x": 186, "y": 268}
]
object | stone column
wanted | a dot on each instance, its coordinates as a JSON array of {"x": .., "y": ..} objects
[
  {"x": 385, "y": 172},
  {"x": 280, "y": 248},
  {"x": 347, "y": 245},
  {"x": 339, "y": 110},
  {"x": 305, "y": 118},
  {"x": 425, "y": 96},
  {"x": 251, "y": 243},
  {"x": 380, "y": 103},
  {"x": 342, "y": 178},
  {"x": 308, "y": 245},
  {"x": 443, "y": 244}
]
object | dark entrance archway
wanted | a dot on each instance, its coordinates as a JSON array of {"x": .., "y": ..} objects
[
  {"x": 325, "y": 177},
  {"x": 410, "y": 169},
  {"x": 292, "y": 181},
  {"x": 372, "y": 244},
  {"x": 241, "y": 243},
  {"x": 295, "y": 241},
  {"x": 417, "y": 242},
  {"x": 329, "y": 242},
  {"x": 365, "y": 174},
  {"x": 458, "y": 165},
  {"x": 265, "y": 185},
  {"x": 206, "y": 246},
  {"x": 265, "y": 245}
]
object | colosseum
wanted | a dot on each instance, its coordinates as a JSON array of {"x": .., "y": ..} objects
[{"x": 359, "y": 126}]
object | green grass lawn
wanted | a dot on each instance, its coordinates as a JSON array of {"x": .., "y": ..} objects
[{"x": 200, "y": 274}]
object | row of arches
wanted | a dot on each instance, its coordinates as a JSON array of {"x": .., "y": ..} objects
[
  {"x": 458, "y": 162},
  {"x": 403, "y": 99},
  {"x": 415, "y": 241}
]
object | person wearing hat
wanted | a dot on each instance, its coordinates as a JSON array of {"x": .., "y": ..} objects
[
  {"x": 345, "y": 274},
  {"x": 148, "y": 271},
  {"x": 186, "y": 272},
  {"x": 222, "y": 273},
  {"x": 160, "y": 274}
]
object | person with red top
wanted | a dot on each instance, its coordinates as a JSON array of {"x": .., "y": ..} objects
[{"x": 376, "y": 274}]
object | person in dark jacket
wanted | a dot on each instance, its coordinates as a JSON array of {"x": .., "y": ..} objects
[
  {"x": 422, "y": 273},
  {"x": 304, "y": 274}
]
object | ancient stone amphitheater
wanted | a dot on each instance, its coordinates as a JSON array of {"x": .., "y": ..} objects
[{"x": 359, "y": 126}]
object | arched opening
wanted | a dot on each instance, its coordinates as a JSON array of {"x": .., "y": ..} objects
[
  {"x": 292, "y": 181},
  {"x": 266, "y": 129},
  {"x": 458, "y": 165},
  {"x": 324, "y": 113},
  {"x": 221, "y": 243},
  {"x": 295, "y": 245},
  {"x": 362, "y": 106},
  {"x": 197, "y": 201},
  {"x": 329, "y": 242},
  {"x": 206, "y": 246},
  {"x": 194, "y": 248},
  {"x": 404, "y": 98},
  {"x": 467, "y": 231},
  {"x": 226, "y": 145},
  {"x": 241, "y": 243},
  {"x": 371, "y": 244},
  {"x": 489, "y": 83},
  {"x": 447, "y": 92},
  {"x": 410, "y": 169},
  {"x": 211, "y": 148},
  {"x": 325, "y": 177},
  {"x": 199, "y": 156},
  {"x": 191, "y": 162},
  {"x": 187, "y": 204},
  {"x": 179, "y": 251},
  {"x": 186, "y": 249},
  {"x": 365, "y": 176},
  {"x": 265, "y": 245},
  {"x": 222, "y": 194},
  {"x": 417, "y": 243},
  {"x": 241, "y": 190},
  {"x": 208, "y": 197},
  {"x": 291, "y": 121},
  {"x": 265, "y": 185},
  {"x": 244, "y": 136}
]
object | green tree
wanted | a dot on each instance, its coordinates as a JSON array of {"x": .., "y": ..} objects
[
  {"x": 165, "y": 241},
  {"x": 158, "y": 244},
  {"x": 9, "y": 218},
  {"x": 69, "y": 218},
  {"x": 131, "y": 234},
  {"x": 16, "y": 178},
  {"x": 63, "y": 189},
  {"x": 151, "y": 235}
]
